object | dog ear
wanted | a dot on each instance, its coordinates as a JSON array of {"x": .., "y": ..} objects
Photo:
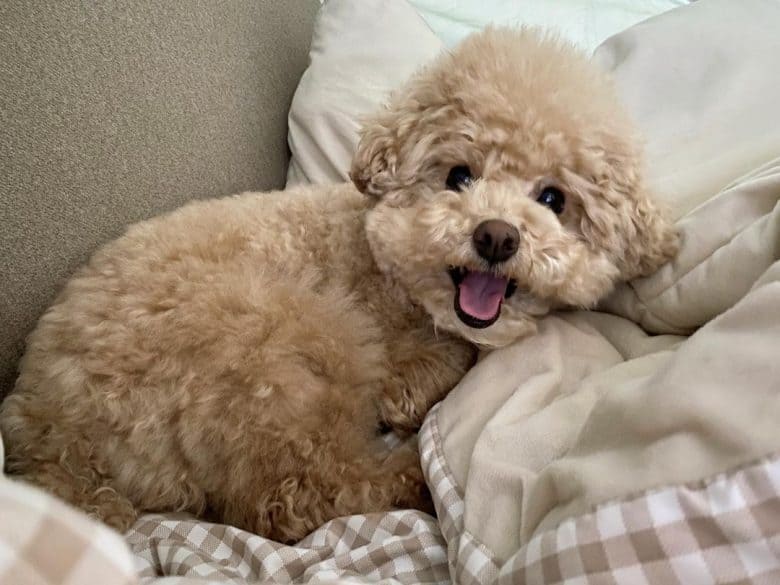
[
  {"x": 621, "y": 216},
  {"x": 656, "y": 238},
  {"x": 375, "y": 161}
]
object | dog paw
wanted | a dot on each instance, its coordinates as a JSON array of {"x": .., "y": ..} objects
[{"x": 401, "y": 409}]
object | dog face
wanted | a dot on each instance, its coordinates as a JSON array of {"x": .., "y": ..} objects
[{"x": 506, "y": 183}]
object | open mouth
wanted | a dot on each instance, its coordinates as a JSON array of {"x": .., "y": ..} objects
[{"x": 478, "y": 295}]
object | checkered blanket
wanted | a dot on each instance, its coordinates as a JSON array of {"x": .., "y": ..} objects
[
  {"x": 725, "y": 529},
  {"x": 397, "y": 547},
  {"x": 722, "y": 530},
  {"x": 45, "y": 542}
]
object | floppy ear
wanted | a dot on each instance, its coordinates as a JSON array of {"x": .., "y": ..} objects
[
  {"x": 655, "y": 238},
  {"x": 394, "y": 142},
  {"x": 375, "y": 161},
  {"x": 621, "y": 217}
]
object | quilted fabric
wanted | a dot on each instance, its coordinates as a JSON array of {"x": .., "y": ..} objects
[{"x": 722, "y": 529}]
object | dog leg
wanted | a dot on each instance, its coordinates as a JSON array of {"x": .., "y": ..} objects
[
  {"x": 424, "y": 369},
  {"x": 41, "y": 456},
  {"x": 320, "y": 475},
  {"x": 109, "y": 478},
  {"x": 285, "y": 437},
  {"x": 97, "y": 500},
  {"x": 257, "y": 404}
]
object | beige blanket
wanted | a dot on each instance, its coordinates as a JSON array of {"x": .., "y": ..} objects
[{"x": 593, "y": 424}]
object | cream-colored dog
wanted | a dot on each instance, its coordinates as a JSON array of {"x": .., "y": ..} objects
[{"x": 236, "y": 357}]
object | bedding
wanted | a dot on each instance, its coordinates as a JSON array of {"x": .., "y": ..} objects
[
  {"x": 397, "y": 547},
  {"x": 43, "y": 541},
  {"x": 637, "y": 443}
]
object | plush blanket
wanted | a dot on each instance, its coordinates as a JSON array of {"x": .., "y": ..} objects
[{"x": 638, "y": 443}]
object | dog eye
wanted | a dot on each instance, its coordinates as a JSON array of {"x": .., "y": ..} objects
[
  {"x": 553, "y": 198},
  {"x": 459, "y": 178}
]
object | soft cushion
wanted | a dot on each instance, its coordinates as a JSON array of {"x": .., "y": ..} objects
[
  {"x": 361, "y": 50},
  {"x": 584, "y": 22},
  {"x": 364, "y": 49}
]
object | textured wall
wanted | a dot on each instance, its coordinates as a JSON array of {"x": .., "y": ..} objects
[{"x": 111, "y": 112}]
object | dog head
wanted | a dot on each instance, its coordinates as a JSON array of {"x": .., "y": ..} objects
[{"x": 507, "y": 182}]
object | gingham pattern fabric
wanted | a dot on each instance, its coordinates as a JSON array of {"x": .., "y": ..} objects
[
  {"x": 396, "y": 547},
  {"x": 725, "y": 530},
  {"x": 469, "y": 562},
  {"x": 45, "y": 542}
]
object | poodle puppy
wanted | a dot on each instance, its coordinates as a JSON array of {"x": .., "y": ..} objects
[{"x": 235, "y": 358}]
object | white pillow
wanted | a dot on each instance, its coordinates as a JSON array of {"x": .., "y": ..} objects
[
  {"x": 586, "y": 23},
  {"x": 361, "y": 50}
]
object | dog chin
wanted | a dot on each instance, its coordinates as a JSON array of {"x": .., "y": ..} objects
[
  {"x": 508, "y": 326},
  {"x": 501, "y": 333}
]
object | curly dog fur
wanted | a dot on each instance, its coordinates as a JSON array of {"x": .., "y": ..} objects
[{"x": 236, "y": 357}]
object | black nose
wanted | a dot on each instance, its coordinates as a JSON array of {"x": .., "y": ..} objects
[{"x": 496, "y": 240}]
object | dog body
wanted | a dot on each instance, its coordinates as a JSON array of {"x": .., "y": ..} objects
[{"x": 236, "y": 357}]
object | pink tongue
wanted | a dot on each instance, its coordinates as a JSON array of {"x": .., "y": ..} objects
[{"x": 481, "y": 294}]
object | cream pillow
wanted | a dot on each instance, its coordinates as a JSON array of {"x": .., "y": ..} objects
[{"x": 361, "y": 50}]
